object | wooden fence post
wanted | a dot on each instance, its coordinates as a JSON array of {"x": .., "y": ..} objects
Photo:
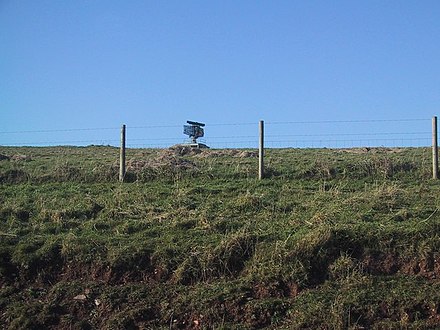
[
  {"x": 261, "y": 152},
  {"x": 122, "y": 156},
  {"x": 434, "y": 149}
]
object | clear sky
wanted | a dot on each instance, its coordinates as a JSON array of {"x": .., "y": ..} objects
[{"x": 99, "y": 64}]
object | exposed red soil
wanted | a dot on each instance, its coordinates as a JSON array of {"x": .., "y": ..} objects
[
  {"x": 244, "y": 309},
  {"x": 277, "y": 289},
  {"x": 389, "y": 264}
]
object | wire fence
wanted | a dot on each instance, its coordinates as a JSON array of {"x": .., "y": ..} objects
[
  {"x": 350, "y": 133},
  {"x": 308, "y": 134},
  {"x": 233, "y": 147},
  {"x": 286, "y": 134}
]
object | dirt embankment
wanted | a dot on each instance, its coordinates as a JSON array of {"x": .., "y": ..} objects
[{"x": 181, "y": 158}]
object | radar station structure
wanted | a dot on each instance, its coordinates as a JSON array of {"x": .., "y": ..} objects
[{"x": 195, "y": 130}]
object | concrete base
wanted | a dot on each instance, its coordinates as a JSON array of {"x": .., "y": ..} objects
[{"x": 191, "y": 145}]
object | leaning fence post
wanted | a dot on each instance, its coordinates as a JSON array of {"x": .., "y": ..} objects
[
  {"x": 434, "y": 148},
  {"x": 122, "y": 156},
  {"x": 261, "y": 152}
]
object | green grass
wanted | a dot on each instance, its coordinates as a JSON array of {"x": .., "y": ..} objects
[{"x": 331, "y": 239}]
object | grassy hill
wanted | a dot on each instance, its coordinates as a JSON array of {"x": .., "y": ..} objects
[{"x": 332, "y": 239}]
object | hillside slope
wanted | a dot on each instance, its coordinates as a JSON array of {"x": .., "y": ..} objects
[{"x": 332, "y": 239}]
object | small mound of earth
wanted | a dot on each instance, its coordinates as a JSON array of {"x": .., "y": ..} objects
[
  {"x": 164, "y": 159},
  {"x": 21, "y": 158},
  {"x": 180, "y": 150},
  {"x": 235, "y": 153},
  {"x": 3, "y": 157},
  {"x": 173, "y": 158},
  {"x": 371, "y": 150},
  {"x": 185, "y": 150}
]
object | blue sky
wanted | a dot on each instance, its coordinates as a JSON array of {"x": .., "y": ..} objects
[{"x": 99, "y": 64}]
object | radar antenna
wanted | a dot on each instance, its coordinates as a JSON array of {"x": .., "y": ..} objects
[{"x": 194, "y": 130}]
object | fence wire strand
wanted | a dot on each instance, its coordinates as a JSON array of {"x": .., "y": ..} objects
[{"x": 324, "y": 139}]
